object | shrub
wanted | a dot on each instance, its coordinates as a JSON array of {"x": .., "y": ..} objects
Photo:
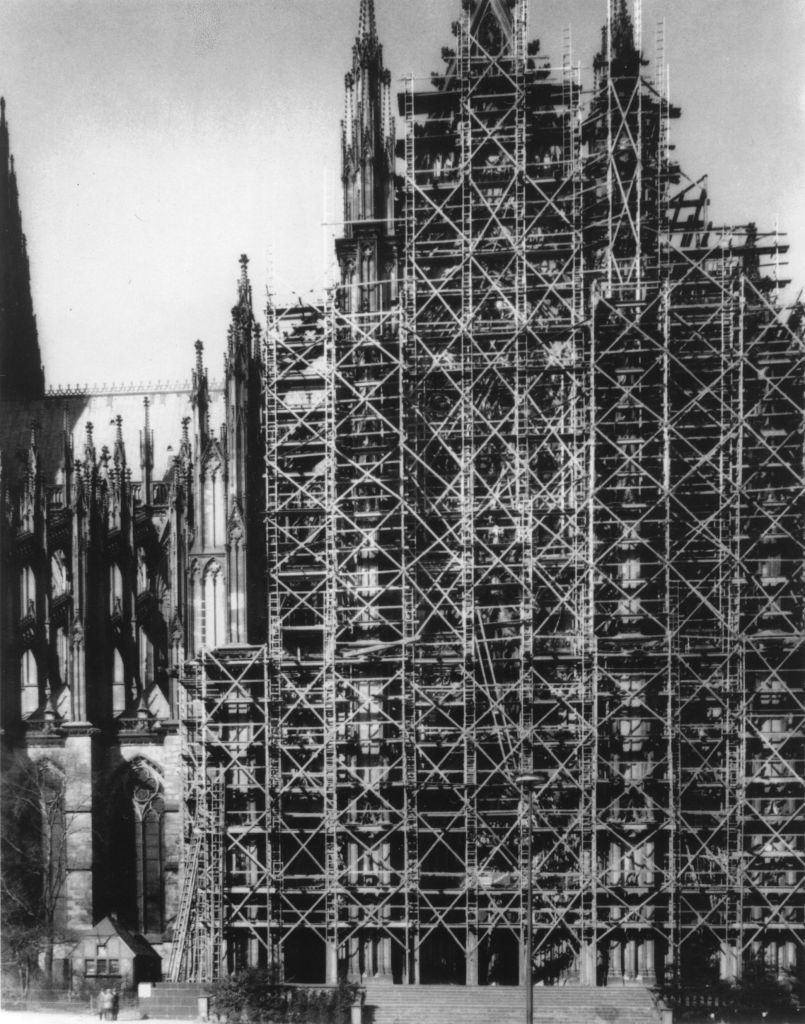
[{"x": 255, "y": 995}]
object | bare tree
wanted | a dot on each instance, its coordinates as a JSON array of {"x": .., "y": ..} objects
[{"x": 37, "y": 827}]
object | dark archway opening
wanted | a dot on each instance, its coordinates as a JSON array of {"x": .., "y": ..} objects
[
  {"x": 441, "y": 960},
  {"x": 499, "y": 959},
  {"x": 304, "y": 956}
]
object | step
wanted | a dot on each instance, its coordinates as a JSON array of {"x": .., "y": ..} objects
[{"x": 457, "y": 1004}]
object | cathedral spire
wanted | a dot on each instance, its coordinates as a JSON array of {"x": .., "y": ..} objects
[
  {"x": 367, "y": 254},
  {"x": 241, "y": 329},
  {"x": 367, "y": 131},
  {"x": 619, "y": 55},
  {"x": 146, "y": 453},
  {"x": 367, "y": 27},
  {"x": 200, "y": 397},
  {"x": 621, "y": 30}
]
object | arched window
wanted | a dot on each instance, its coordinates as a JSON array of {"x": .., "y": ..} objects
[
  {"x": 29, "y": 683},
  {"x": 195, "y": 626},
  {"x": 27, "y": 592},
  {"x": 209, "y": 508},
  {"x": 136, "y": 870},
  {"x": 219, "y": 499},
  {"x": 58, "y": 575},
  {"x": 118, "y": 683},
  {"x": 629, "y": 573},
  {"x": 149, "y": 806},
  {"x": 63, "y": 655},
  {"x": 214, "y": 605},
  {"x": 142, "y": 572},
  {"x": 145, "y": 655},
  {"x": 214, "y": 508},
  {"x": 115, "y": 590}
]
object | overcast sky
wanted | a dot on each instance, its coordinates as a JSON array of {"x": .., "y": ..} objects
[{"x": 156, "y": 140}]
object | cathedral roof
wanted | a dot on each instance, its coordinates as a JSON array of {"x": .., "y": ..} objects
[
  {"x": 109, "y": 927},
  {"x": 71, "y": 410}
]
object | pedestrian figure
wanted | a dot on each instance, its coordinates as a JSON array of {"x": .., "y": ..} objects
[{"x": 115, "y": 1004}]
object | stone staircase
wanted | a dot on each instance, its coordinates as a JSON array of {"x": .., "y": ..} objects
[{"x": 456, "y": 1004}]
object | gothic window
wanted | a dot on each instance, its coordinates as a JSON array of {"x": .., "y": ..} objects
[
  {"x": 220, "y": 518},
  {"x": 770, "y": 569},
  {"x": 142, "y": 572},
  {"x": 219, "y": 513},
  {"x": 29, "y": 682},
  {"x": 27, "y": 592},
  {"x": 136, "y": 871},
  {"x": 213, "y": 605},
  {"x": 195, "y": 611},
  {"x": 148, "y": 810},
  {"x": 628, "y": 609},
  {"x": 634, "y": 732},
  {"x": 63, "y": 655},
  {"x": 145, "y": 657},
  {"x": 629, "y": 571},
  {"x": 368, "y": 590},
  {"x": 214, "y": 509},
  {"x": 118, "y": 683},
  {"x": 58, "y": 575},
  {"x": 115, "y": 590}
]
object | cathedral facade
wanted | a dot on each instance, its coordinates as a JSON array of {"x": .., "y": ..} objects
[
  {"x": 125, "y": 539},
  {"x": 472, "y": 593}
]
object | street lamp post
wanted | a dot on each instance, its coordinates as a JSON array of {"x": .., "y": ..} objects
[{"x": 527, "y": 784}]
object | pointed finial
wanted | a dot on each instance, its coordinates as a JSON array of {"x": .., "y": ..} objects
[
  {"x": 2, "y": 110},
  {"x": 50, "y": 714},
  {"x": 67, "y": 439},
  {"x": 89, "y": 447},
  {"x": 146, "y": 452},
  {"x": 119, "y": 448},
  {"x": 148, "y": 437},
  {"x": 33, "y": 451},
  {"x": 244, "y": 289},
  {"x": 199, "y": 357},
  {"x": 142, "y": 711}
]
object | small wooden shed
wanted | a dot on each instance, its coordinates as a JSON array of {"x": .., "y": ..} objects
[{"x": 109, "y": 955}]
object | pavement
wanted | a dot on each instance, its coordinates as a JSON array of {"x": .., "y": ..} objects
[{"x": 77, "y": 1017}]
